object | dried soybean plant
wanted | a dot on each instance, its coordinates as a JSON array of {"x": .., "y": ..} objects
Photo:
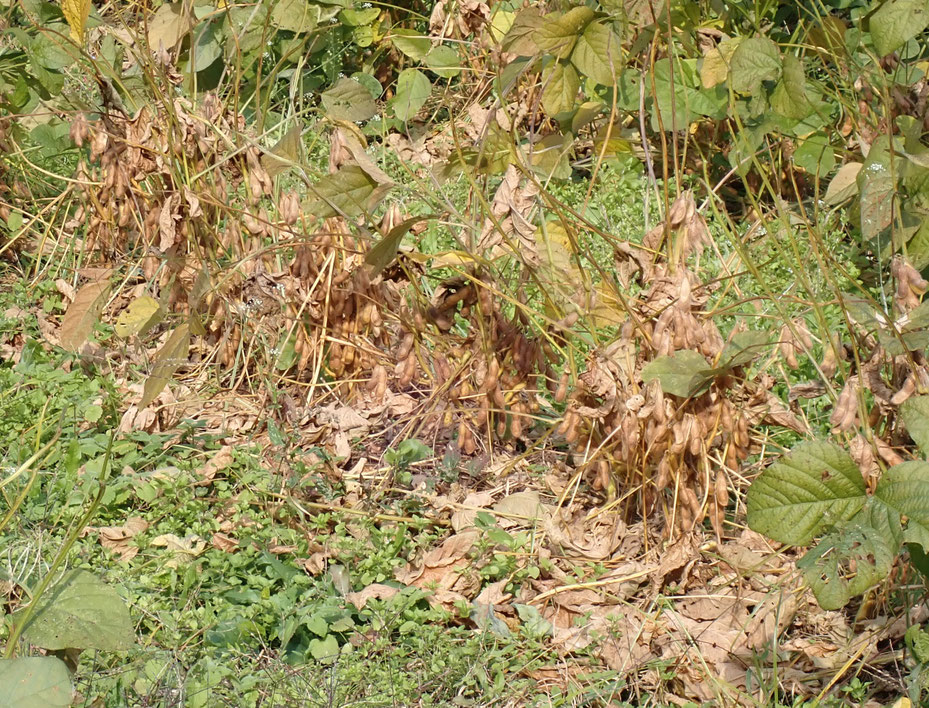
[{"x": 663, "y": 413}]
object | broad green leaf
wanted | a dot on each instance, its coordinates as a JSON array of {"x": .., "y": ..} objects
[
  {"x": 444, "y": 61},
  {"x": 169, "y": 358},
  {"x": 286, "y": 153},
  {"x": 350, "y": 191},
  {"x": 904, "y": 492},
  {"x": 846, "y": 562},
  {"x": 324, "y": 650},
  {"x": 558, "y": 33},
  {"x": 789, "y": 97},
  {"x": 755, "y": 60},
  {"x": 811, "y": 489},
  {"x": 844, "y": 185},
  {"x": 683, "y": 374},
  {"x": 673, "y": 94},
  {"x": 896, "y": 22},
  {"x": 413, "y": 89},
  {"x": 550, "y": 156},
  {"x": 358, "y": 18},
  {"x": 915, "y": 414},
  {"x": 384, "y": 251},
  {"x": 597, "y": 54},
  {"x": 168, "y": 25},
  {"x": 917, "y": 248},
  {"x": 34, "y": 682},
  {"x": 815, "y": 155},
  {"x": 411, "y": 43},
  {"x": 295, "y": 16},
  {"x": 82, "y": 315},
  {"x": 876, "y": 185},
  {"x": 76, "y": 13},
  {"x": 560, "y": 84},
  {"x": 369, "y": 82},
  {"x": 348, "y": 100},
  {"x": 141, "y": 315},
  {"x": 743, "y": 348},
  {"x": 519, "y": 37},
  {"x": 80, "y": 611},
  {"x": 207, "y": 45}
]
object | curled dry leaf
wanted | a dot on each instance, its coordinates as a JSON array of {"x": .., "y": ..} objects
[
  {"x": 376, "y": 591},
  {"x": 116, "y": 538}
]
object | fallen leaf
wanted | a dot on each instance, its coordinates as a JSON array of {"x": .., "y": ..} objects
[
  {"x": 183, "y": 550},
  {"x": 224, "y": 542},
  {"x": 452, "y": 549},
  {"x": 82, "y": 314},
  {"x": 376, "y": 591},
  {"x": 116, "y": 538},
  {"x": 216, "y": 464}
]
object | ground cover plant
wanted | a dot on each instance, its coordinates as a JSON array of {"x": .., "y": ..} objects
[{"x": 463, "y": 353}]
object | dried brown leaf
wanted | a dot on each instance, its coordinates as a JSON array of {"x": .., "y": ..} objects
[{"x": 82, "y": 314}]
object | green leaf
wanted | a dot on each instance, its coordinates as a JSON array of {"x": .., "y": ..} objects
[
  {"x": 80, "y": 612},
  {"x": 34, "y": 682},
  {"x": 413, "y": 89},
  {"x": 743, "y": 348},
  {"x": 683, "y": 374},
  {"x": 560, "y": 84},
  {"x": 904, "y": 492},
  {"x": 384, "y": 251},
  {"x": 350, "y": 191},
  {"x": 597, "y": 54},
  {"x": 411, "y": 43},
  {"x": 877, "y": 186},
  {"x": 286, "y": 153},
  {"x": 915, "y": 414},
  {"x": 325, "y": 650},
  {"x": 348, "y": 100},
  {"x": 443, "y": 61},
  {"x": 519, "y": 37},
  {"x": 359, "y": 18},
  {"x": 296, "y": 16},
  {"x": 673, "y": 95},
  {"x": 815, "y": 155},
  {"x": 846, "y": 562},
  {"x": 811, "y": 489},
  {"x": 534, "y": 624},
  {"x": 168, "y": 359},
  {"x": 896, "y": 22},
  {"x": 755, "y": 60},
  {"x": 558, "y": 33},
  {"x": 918, "y": 640},
  {"x": 789, "y": 98},
  {"x": 207, "y": 45}
]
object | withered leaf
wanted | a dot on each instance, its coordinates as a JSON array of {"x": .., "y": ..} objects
[
  {"x": 167, "y": 361},
  {"x": 82, "y": 314}
]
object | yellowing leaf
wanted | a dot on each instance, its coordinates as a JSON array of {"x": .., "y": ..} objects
[
  {"x": 285, "y": 154},
  {"x": 171, "y": 355},
  {"x": 82, "y": 314},
  {"x": 141, "y": 315},
  {"x": 168, "y": 25},
  {"x": 76, "y": 13}
]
